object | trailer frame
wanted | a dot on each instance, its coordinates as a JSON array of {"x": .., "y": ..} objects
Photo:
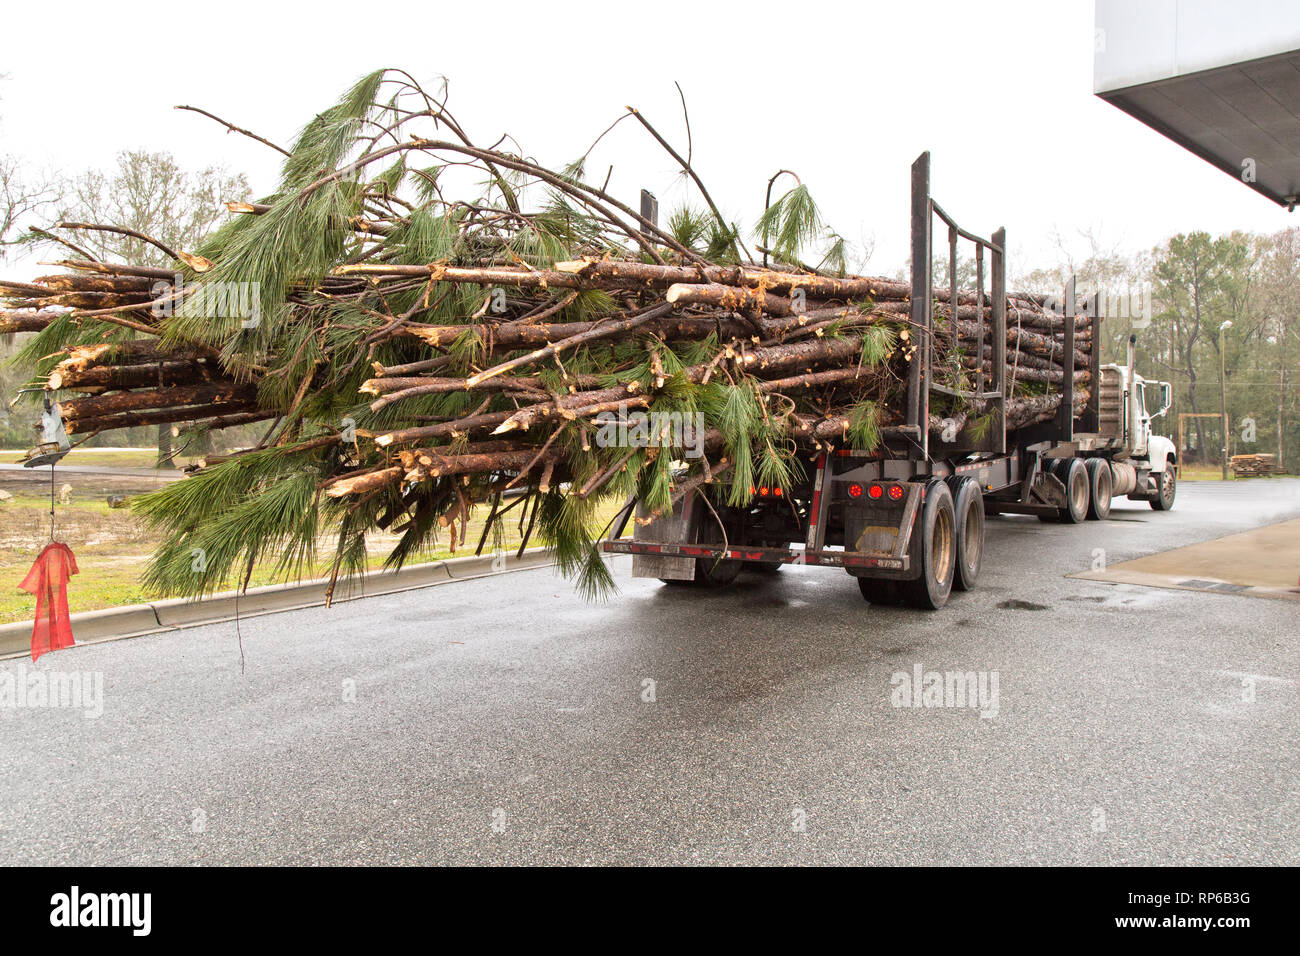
[{"x": 858, "y": 510}]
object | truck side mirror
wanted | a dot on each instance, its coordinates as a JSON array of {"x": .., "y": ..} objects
[{"x": 1166, "y": 399}]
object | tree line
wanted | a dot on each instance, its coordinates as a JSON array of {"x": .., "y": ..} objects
[{"x": 1216, "y": 316}]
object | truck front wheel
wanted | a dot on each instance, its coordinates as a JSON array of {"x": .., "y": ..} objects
[{"x": 1166, "y": 487}]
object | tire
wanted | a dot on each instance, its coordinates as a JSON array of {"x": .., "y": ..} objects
[
  {"x": 1074, "y": 476},
  {"x": 933, "y": 549},
  {"x": 880, "y": 591},
  {"x": 1166, "y": 488},
  {"x": 711, "y": 572},
  {"x": 764, "y": 567},
  {"x": 1101, "y": 484},
  {"x": 968, "y": 508}
]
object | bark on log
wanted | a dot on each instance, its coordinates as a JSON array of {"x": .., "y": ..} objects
[
  {"x": 135, "y": 352},
  {"x": 26, "y": 321},
  {"x": 117, "y": 268},
  {"x": 99, "y": 406},
  {"x": 65, "y": 282},
  {"x": 434, "y": 385},
  {"x": 815, "y": 287},
  {"x": 161, "y": 416},
  {"x": 133, "y": 376},
  {"x": 1027, "y": 374},
  {"x": 508, "y": 336}
]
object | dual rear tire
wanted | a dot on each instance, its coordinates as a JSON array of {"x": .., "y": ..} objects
[
  {"x": 968, "y": 507},
  {"x": 1078, "y": 491},
  {"x": 1101, "y": 486},
  {"x": 935, "y": 548}
]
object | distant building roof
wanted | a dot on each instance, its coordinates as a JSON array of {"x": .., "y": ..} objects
[{"x": 1220, "y": 79}]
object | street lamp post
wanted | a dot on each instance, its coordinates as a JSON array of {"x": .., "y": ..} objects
[
  {"x": 1281, "y": 391},
  {"x": 1223, "y": 393}
]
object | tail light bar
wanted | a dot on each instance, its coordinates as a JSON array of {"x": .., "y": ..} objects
[{"x": 877, "y": 490}]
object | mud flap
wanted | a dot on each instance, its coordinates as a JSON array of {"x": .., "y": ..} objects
[{"x": 668, "y": 530}]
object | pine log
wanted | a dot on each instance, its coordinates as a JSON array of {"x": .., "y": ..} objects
[
  {"x": 74, "y": 282},
  {"x": 524, "y": 335},
  {"x": 99, "y": 406},
  {"x": 116, "y": 268},
  {"x": 162, "y": 416},
  {"x": 731, "y": 298},
  {"x": 814, "y": 286},
  {"x": 26, "y": 321},
  {"x": 133, "y": 376}
]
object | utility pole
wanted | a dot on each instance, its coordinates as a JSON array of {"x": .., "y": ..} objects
[
  {"x": 1280, "y": 341},
  {"x": 1223, "y": 393}
]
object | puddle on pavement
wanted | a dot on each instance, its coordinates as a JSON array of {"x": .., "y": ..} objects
[{"x": 1015, "y": 605}]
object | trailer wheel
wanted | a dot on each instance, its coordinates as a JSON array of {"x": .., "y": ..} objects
[
  {"x": 764, "y": 567},
  {"x": 1074, "y": 476},
  {"x": 711, "y": 572},
  {"x": 882, "y": 591},
  {"x": 968, "y": 508},
  {"x": 1101, "y": 483},
  {"x": 1166, "y": 488},
  {"x": 934, "y": 550}
]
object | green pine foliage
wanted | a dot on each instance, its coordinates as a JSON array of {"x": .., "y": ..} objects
[{"x": 315, "y": 342}]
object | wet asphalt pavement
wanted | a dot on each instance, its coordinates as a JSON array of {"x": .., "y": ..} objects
[{"x": 505, "y": 720}]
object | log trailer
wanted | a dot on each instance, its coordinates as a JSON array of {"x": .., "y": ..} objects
[{"x": 907, "y": 518}]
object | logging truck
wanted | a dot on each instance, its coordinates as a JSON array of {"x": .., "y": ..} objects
[{"x": 907, "y": 518}]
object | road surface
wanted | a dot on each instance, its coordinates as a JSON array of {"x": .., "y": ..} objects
[{"x": 505, "y": 720}]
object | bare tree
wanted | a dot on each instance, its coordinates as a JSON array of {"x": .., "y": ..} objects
[
  {"x": 151, "y": 194},
  {"x": 21, "y": 195}
]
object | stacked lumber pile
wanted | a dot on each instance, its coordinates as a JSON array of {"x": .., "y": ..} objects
[{"x": 1253, "y": 466}]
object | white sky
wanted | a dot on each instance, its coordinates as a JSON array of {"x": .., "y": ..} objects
[{"x": 845, "y": 95}]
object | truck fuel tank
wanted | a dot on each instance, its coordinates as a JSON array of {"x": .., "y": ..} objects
[{"x": 1125, "y": 478}]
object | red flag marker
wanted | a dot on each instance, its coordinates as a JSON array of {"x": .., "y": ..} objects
[{"x": 48, "y": 580}]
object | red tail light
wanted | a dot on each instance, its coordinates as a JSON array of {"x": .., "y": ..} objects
[
  {"x": 896, "y": 492},
  {"x": 855, "y": 490},
  {"x": 875, "y": 491}
]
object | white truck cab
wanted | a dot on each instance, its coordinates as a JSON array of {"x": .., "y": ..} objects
[{"x": 1143, "y": 463}]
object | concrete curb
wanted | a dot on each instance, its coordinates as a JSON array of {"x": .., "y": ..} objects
[{"x": 111, "y": 624}]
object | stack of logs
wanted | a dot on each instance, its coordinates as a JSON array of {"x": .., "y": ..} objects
[{"x": 793, "y": 333}]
